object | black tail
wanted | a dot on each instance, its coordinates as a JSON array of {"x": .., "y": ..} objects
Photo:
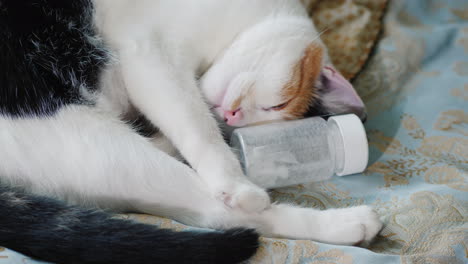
[{"x": 52, "y": 231}]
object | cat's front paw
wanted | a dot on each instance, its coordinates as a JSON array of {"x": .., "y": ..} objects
[
  {"x": 245, "y": 196},
  {"x": 353, "y": 225}
]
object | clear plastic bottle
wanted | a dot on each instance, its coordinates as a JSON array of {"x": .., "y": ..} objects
[{"x": 301, "y": 151}]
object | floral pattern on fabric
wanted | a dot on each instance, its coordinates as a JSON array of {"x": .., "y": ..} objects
[{"x": 349, "y": 29}]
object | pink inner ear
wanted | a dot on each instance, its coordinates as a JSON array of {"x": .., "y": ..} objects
[{"x": 341, "y": 93}]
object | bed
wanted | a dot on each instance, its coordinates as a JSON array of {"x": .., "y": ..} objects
[{"x": 409, "y": 62}]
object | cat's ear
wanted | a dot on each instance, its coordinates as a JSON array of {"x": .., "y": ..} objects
[{"x": 338, "y": 94}]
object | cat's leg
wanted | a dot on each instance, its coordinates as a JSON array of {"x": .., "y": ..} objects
[
  {"x": 167, "y": 94},
  {"x": 87, "y": 157},
  {"x": 345, "y": 226}
]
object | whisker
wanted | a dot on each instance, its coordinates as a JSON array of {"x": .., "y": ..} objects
[{"x": 321, "y": 33}]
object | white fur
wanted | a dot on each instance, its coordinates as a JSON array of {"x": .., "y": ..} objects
[{"x": 86, "y": 155}]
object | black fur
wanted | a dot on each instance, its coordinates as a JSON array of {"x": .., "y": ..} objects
[
  {"x": 143, "y": 126},
  {"x": 52, "y": 231},
  {"x": 48, "y": 53}
]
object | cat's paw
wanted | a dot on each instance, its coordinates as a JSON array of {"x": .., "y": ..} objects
[
  {"x": 245, "y": 196},
  {"x": 351, "y": 226}
]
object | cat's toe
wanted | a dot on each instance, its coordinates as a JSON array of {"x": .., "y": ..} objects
[
  {"x": 251, "y": 198},
  {"x": 354, "y": 225},
  {"x": 246, "y": 197},
  {"x": 371, "y": 221}
]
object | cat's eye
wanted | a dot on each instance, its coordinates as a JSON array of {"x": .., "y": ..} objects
[{"x": 276, "y": 107}]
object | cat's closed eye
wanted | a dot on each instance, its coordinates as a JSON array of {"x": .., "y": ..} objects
[{"x": 276, "y": 107}]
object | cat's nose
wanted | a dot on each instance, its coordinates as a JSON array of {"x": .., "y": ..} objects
[{"x": 233, "y": 117}]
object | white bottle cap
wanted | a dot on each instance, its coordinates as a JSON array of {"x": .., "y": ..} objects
[{"x": 356, "y": 147}]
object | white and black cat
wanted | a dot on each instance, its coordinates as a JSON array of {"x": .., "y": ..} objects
[{"x": 75, "y": 74}]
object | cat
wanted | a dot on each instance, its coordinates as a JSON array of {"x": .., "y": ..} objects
[{"x": 76, "y": 74}]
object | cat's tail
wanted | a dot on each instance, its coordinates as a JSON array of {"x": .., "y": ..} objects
[{"x": 49, "y": 230}]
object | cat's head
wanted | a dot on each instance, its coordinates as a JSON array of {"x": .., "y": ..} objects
[{"x": 277, "y": 70}]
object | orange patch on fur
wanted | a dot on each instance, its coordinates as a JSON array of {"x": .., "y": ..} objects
[
  {"x": 300, "y": 91},
  {"x": 236, "y": 104}
]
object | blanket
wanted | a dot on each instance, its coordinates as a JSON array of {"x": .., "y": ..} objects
[{"x": 415, "y": 85}]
